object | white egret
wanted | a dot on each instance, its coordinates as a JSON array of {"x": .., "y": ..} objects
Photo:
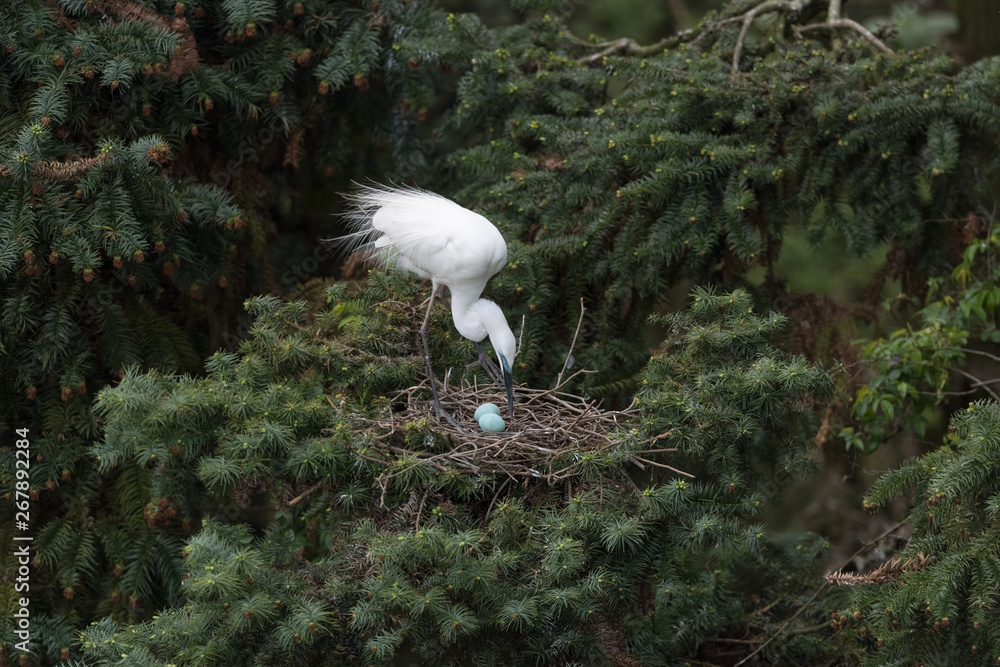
[{"x": 421, "y": 232}]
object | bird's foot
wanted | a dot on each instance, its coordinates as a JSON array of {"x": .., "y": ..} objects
[
  {"x": 438, "y": 410},
  {"x": 441, "y": 412}
]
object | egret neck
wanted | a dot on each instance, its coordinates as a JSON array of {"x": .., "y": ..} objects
[{"x": 476, "y": 319}]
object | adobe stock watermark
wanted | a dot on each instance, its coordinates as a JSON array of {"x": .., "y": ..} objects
[{"x": 22, "y": 539}]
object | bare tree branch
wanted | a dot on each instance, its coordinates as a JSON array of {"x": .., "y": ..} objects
[
  {"x": 850, "y": 25},
  {"x": 767, "y": 7}
]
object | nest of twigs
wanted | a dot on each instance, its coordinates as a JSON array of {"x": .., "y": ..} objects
[{"x": 547, "y": 438}]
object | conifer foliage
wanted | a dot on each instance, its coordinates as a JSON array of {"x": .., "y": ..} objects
[
  {"x": 937, "y": 600},
  {"x": 616, "y": 175},
  {"x": 375, "y": 552},
  {"x": 940, "y": 606},
  {"x": 144, "y": 149},
  {"x": 150, "y": 153}
]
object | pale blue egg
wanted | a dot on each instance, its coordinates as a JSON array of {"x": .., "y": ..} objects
[
  {"x": 487, "y": 408},
  {"x": 491, "y": 422}
]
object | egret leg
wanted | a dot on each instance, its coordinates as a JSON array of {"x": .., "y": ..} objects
[
  {"x": 487, "y": 364},
  {"x": 430, "y": 370}
]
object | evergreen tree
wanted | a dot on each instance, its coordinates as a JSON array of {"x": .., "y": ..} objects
[
  {"x": 153, "y": 153},
  {"x": 935, "y": 600},
  {"x": 384, "y": 548},
  {"x": 146, "y": 153},
  {"x": 616, "y": 176}
]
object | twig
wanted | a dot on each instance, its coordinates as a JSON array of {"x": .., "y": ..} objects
[
  {"x": 649, "y": 441},
  {"x": 569, "y": 355},
  {"x": 981, "y": 384},
  {"x": 713, "y": 26},
  {"x": 976, "y": 386},
  {"x": 663, "y": 465},
  {"x": 787, "y": 623},
  {"x": 738, "y": 50},
  {"x": 967, "y": 350},
  {"x": 520, "y": 339},
  {"x": 764, "y": 8},
  {"x": 420, "y": 510},
  {"x": 635, "y": 487},
  {"x": 495, "y": 496},
  {"x": 553, "y": 390},
  {"x": 385, "y": 487},
  {"x": 627, "y": 46},
  {"x": 811, "y": 629},
  {"x": 851, "y": 25},
  {"x": 305, "y": 494}
]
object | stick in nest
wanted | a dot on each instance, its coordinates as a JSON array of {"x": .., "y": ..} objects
[{"x": 569, "y": 355}]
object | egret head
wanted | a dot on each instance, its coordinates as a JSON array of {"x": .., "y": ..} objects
[
  {"x": 484, "y": 318},
  {"x": 505, "y": 345}
]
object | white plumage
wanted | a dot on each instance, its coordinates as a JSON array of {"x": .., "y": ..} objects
[{"x": 421, "y": 232}]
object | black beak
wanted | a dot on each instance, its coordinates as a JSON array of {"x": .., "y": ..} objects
[{"x": 508, "y": 382}]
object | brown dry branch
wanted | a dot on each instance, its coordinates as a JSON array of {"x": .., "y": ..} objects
[
  {"x": 834, "y": 22},
  {"x": 571, "y": 345},
  {"x": 69, "y": 171},
  {"x": 891, "y": 570},
  {"x": 302, "y": 496},
  {"x": 630, "y": 47},
  {"x": 548, "y": 439}
]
